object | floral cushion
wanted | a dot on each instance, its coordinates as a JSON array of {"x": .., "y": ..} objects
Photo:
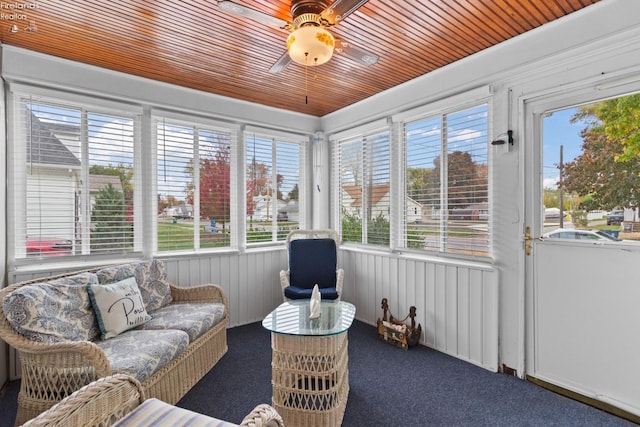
[
  {"x": 54, "y": 311},
  {"x": 193, "y": 318},
  {"x": 118, "y": 306},
  {"x": 143, "y": 353},
  {"x": 150, "y": 276}
]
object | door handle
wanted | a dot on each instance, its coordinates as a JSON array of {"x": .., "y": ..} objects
[{"x": 527, "y": 240}]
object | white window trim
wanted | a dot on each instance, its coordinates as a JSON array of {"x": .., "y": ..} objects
[{"x": 84, "y": 103}]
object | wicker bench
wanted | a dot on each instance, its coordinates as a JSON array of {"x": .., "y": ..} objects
[
  {"x": 53, "y": 370},
  {"x": 120, "y": 400}
]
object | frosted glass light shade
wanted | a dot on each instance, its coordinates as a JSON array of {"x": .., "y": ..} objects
[{"x": 310, "y": 45}]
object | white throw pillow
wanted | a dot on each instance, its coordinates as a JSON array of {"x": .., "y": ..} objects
[{"x": 118, "y": 306}]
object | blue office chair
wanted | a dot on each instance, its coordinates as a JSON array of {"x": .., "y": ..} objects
[{"x": 313, "y": 259}]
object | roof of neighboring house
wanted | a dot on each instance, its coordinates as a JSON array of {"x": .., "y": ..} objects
[
  {"x": 45, "y": 148},
  {"x": 98, "y": 182},
  {"x": 378, "y": 191}
]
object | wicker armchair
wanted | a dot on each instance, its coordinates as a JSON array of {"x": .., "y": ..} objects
[
  {"x": 108, "y": 400},
  {"x": 313, "y": 260},
  {"x": 100, "y": 403}
]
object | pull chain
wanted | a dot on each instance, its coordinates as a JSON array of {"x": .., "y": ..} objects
[{"x": 306, "y": 79}]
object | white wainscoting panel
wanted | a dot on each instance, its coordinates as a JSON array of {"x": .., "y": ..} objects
[
  {"x": 456, "y": 304},
  {"x": 250, "y": 280}
]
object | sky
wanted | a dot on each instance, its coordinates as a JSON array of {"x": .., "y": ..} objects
[{"x": 558, "y": 131}]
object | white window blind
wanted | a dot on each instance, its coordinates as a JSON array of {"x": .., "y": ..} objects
[
  {"x": 194, "y": 186},
  {"x": 446, "y": 166},
  {"x": 364, "y": 189},
  {"x": 273, "y": 181},
  {"x": 72, "y": 179}
]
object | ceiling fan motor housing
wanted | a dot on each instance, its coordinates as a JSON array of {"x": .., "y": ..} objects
[{"x": 301, "y": 7}]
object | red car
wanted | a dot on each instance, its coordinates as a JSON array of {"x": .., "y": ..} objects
[{"x": 48, "y": 246}]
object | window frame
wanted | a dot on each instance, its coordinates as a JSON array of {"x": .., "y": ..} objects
[
  {"x": 367, "y": 138},
  {"x": 303, "y": 143},
  {"x": 395, "y": 124},
  {"x": 18, "y": 96},
  {"x": 440, "y": 108},
  {"x": 196, "y": 123}
]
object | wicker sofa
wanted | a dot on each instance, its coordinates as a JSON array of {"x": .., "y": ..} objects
[
  {"x": 179, "y": 333},
  {"x": 120, "y": 400}
]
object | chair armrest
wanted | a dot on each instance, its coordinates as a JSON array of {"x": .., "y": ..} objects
[
  {"x": 201, "y": 293},
  {"x": 101, "y": 402},
  {"x": 263, "y": 415},
  {"x": 284, "y": 282},
  {"x": 284, "y": 279},
  {"x": 339, "y": 280}
]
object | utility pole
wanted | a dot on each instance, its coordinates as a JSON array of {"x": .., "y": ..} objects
[{"x": 561, "y": 191}]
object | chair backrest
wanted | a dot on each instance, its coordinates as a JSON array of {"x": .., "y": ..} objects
[{"x": 313, "y": 261}]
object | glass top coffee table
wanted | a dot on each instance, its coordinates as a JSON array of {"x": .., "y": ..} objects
[{"x": 310, "y": 374}]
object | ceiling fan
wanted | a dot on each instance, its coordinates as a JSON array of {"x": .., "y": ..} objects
[{"x": 309, "y": 42}]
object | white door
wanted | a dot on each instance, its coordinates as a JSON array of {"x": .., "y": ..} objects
[{"x": 582, "y": 296}]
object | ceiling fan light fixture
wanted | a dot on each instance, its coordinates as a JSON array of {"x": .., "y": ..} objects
[{"x": 310, "y": 45}]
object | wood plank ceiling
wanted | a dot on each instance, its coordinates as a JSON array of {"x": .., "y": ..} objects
[{"x": 196, "y": 45}]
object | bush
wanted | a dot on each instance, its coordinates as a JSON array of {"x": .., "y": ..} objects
[{"x": 579, "y": 218}]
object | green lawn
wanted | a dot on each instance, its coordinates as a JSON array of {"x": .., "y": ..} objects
[{"x": 179, "y": 236}]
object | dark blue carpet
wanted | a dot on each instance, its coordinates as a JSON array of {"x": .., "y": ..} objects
[
  {"x": 389, "y": 387},
  {"x": 393, "y": 387}
]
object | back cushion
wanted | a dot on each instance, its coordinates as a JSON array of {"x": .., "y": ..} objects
[
  {"x": 312, "y": 261},
  {"x": 55, "y": 311},
  {"x": 151, "y": 278}
]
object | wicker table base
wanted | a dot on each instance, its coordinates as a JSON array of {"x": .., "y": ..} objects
[{"x": 310, "y": 378}]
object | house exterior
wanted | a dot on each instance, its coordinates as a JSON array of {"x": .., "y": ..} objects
[
  {"x": 352, "y": 203},
  {"x": 263, "y": 207}
]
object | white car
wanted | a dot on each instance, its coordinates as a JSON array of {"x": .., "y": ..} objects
[{"x": 587, "y": 235}]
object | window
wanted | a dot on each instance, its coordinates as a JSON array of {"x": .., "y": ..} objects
[
  {"x": 364, "y": 189},
  {"x": 273, "y": 181},
  {"x": 72, "y": 179},
  {"x": 446, "y": 170},
  {"x": 194, "y": 186}
]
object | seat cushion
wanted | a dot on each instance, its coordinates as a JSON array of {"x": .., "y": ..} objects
[
  {"x": 311, "y": 262},
  {"x": 156, "y": 413},
  {"x": 141, "y": 354},
  {"x": 193, "y": 318},
  {"x": 294, "y": 292}
]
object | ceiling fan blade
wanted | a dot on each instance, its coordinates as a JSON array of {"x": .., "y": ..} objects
[
  {"x": 256, "y": 15},
  {"x": 281, "y": 63},
  {"x": 356, "y": 53},
  {"x": 340, "y": 9}
]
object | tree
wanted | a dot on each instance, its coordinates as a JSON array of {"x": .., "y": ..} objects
[
  {"x": 466, "y": 180},
  {"x": 215, "y": 186},
  {"x": 257, "y": 183},
  {"x": 620, "y": 120},
  {"x": 609, "y": 167},
  {"x": 420, "y": 182},
  {"x": 293, "y": 194},
  {"x": 109, "y": 229},
  {"x": 125, "y": 173}
]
